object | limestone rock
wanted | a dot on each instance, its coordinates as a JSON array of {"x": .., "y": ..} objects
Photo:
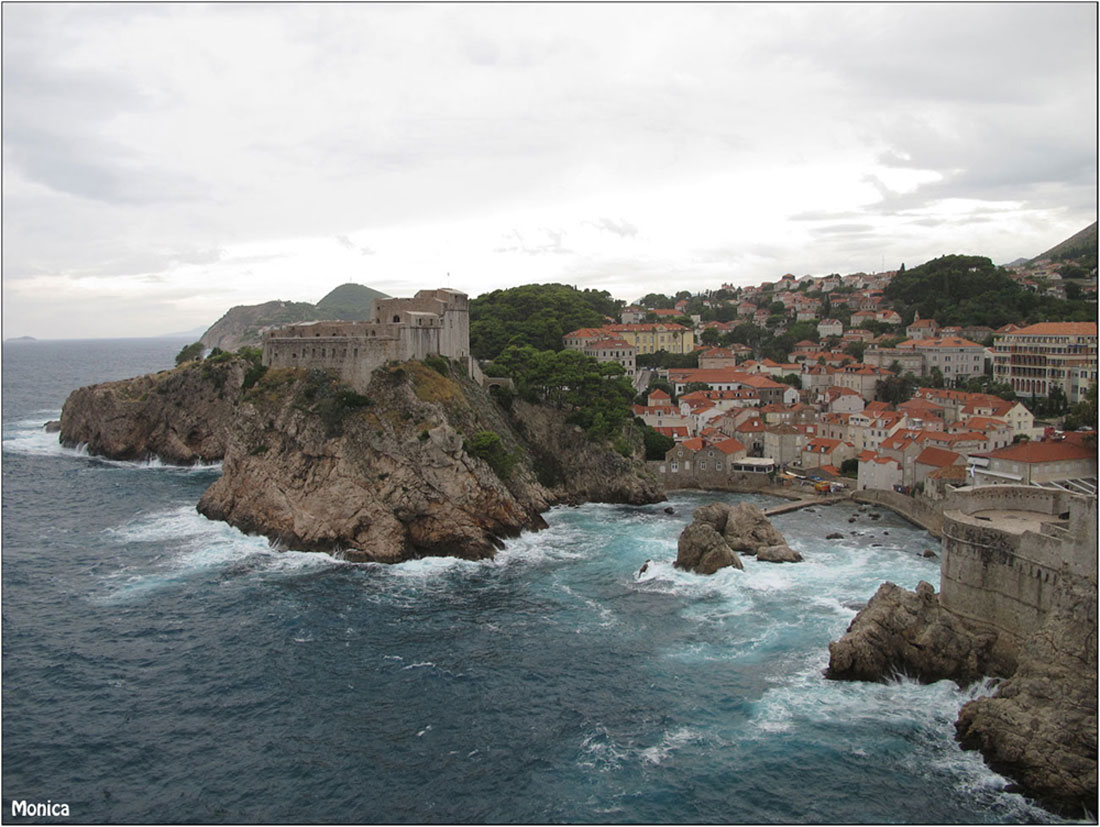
[
  {"x": 748, "y": 529},
  {"x": 574, "y": 469},
  {"x": 778, "y": 554},
  {"x": 701, "y": 549},
  {"x": 181, "y": 415},
  {"x": 52, "y": 427},
  {"x": 836, "y": 535},
  {"x": 1040, "y": 727},
  {"x": 910, "y": 633}
]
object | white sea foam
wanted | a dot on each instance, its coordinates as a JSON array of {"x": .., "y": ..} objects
[
  {"x": 192, "y": 545},
  {"x": 670, "y": 742}
]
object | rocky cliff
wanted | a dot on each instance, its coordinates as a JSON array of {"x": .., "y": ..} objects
[
  {"x": 422, "y": 464},
  {"x": 1039, "y": 728},
  {"x": 182, "y": 416}
]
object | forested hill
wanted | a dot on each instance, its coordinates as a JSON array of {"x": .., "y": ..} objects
[
  {"x": 534, "y": 314},
  {"x": 970, "y": 290}
]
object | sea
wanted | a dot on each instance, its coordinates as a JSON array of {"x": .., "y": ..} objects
[{"x": 159, "y": 667}]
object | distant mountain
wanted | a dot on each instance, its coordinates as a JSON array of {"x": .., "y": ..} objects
[
  {"x": 22, "y": 339},
  {"x": 243, "y": 325},
  {"x": 191, "y": 335},
  {"x": 1079, "y": 249}
]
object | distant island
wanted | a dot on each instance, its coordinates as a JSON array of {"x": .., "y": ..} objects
[{"x": 21, "y": 339}]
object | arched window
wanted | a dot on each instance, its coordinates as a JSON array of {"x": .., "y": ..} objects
[{"x": 396, "y": 319}]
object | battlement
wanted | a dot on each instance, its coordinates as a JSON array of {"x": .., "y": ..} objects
[{"x": 434, "y": 322}]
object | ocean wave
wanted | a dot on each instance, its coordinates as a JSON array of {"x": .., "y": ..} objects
[
  {"x": 29, "y": 437},
  {"x": 190, "y": 545}
]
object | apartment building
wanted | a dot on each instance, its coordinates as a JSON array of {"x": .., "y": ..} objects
[{"x": 1039, "y": 357}]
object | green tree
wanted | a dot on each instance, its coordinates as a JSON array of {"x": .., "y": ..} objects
[
  {"x": 709, "y": 336},
  {"x": 189, "y": 352},
  {"x": 657, "y": 445}
]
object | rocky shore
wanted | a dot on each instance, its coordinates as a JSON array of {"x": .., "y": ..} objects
[
  {"x": 386, "y": 476},
  {"x": 1039, "y": 727}
]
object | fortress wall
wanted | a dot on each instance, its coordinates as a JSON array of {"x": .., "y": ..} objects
[
  {"x": 433, "y": 322},
  {"x": 911, "y": 508},
  {"x": 999, "y": 578},
  {"x": 1009, "y": 579}
]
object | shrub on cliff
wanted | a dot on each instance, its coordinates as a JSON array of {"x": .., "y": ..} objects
[
  {"x": 189, "y": 352},
  {"x": 488, "y": 446}
]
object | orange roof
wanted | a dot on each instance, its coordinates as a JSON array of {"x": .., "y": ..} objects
[
  {"x": 672, "y": 431},
  {"x": 729, "y": 446},
  {"x": 696, "y": 444},
  {"x": 924, "y": 323},
  {"x": 938, "y": 457},
  {"x": 657, "y": 393},
  {"x": 1042, "y": 452},
  {"x": 1058, "y": 329},
  {"x": 586, "y": 333}
]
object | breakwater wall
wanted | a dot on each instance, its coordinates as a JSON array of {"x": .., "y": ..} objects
[{"x": 911, "y": 508}]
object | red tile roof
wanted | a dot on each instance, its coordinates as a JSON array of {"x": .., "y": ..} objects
[
  {"x": 938, "y": 457},
  {"x": 729, "y": 446},
  {"x": 1058, "y": 329},
  {"x": 1035, "y": 451}
]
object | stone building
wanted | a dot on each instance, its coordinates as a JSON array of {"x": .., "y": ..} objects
[{"x": 434, "y": 322}]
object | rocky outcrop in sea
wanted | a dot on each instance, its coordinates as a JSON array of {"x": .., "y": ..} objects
[
  {"x": 909, "y": 633},
  {"x": 422, "y": 464},
  {"x": 719, "y": 531},
  {"x": 1039, "y": 727}
]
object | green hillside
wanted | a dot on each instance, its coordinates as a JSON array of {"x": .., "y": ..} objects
[
  {"x": 349, "y": 302},
  {"x": 969, "y": 290}
]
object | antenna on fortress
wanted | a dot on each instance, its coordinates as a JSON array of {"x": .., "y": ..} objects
[{"x": 448, "y": 279}]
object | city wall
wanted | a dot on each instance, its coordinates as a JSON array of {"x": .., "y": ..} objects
[{"x": 911, "y": 508}]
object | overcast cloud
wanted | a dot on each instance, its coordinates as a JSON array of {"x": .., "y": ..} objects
[{"x": 164, "y": 162}]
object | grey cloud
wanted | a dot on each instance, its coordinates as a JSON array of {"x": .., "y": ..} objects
[
  {"x": 552, "y": 244},
  {"x": 621, "y": 228},
  {"x": 844, "y": 229}
]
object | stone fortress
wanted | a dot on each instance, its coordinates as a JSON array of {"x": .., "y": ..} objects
[{"x": 432, "y": 322}]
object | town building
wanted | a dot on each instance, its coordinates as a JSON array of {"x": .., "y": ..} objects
[
  {"x": 1037, "y": 462},
  {"x": 1039, "y": 357}
]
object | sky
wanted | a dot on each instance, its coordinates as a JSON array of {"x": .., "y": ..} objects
[{"x": 164, "y": 162}]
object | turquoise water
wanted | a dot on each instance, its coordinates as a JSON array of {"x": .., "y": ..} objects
[{"x": 162, "y": 667}]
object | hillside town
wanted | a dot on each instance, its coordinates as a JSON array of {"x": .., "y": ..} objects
[{"x": 830, "y": 411}]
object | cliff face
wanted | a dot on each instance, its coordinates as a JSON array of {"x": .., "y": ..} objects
[
  {"x": 382, "y": 477},
  {"x": 1039, "y": 728},
  {"x": 577, "y": 470},
  {"x": 181, "y": 415},
  {"x": 422, "y": 464}
]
